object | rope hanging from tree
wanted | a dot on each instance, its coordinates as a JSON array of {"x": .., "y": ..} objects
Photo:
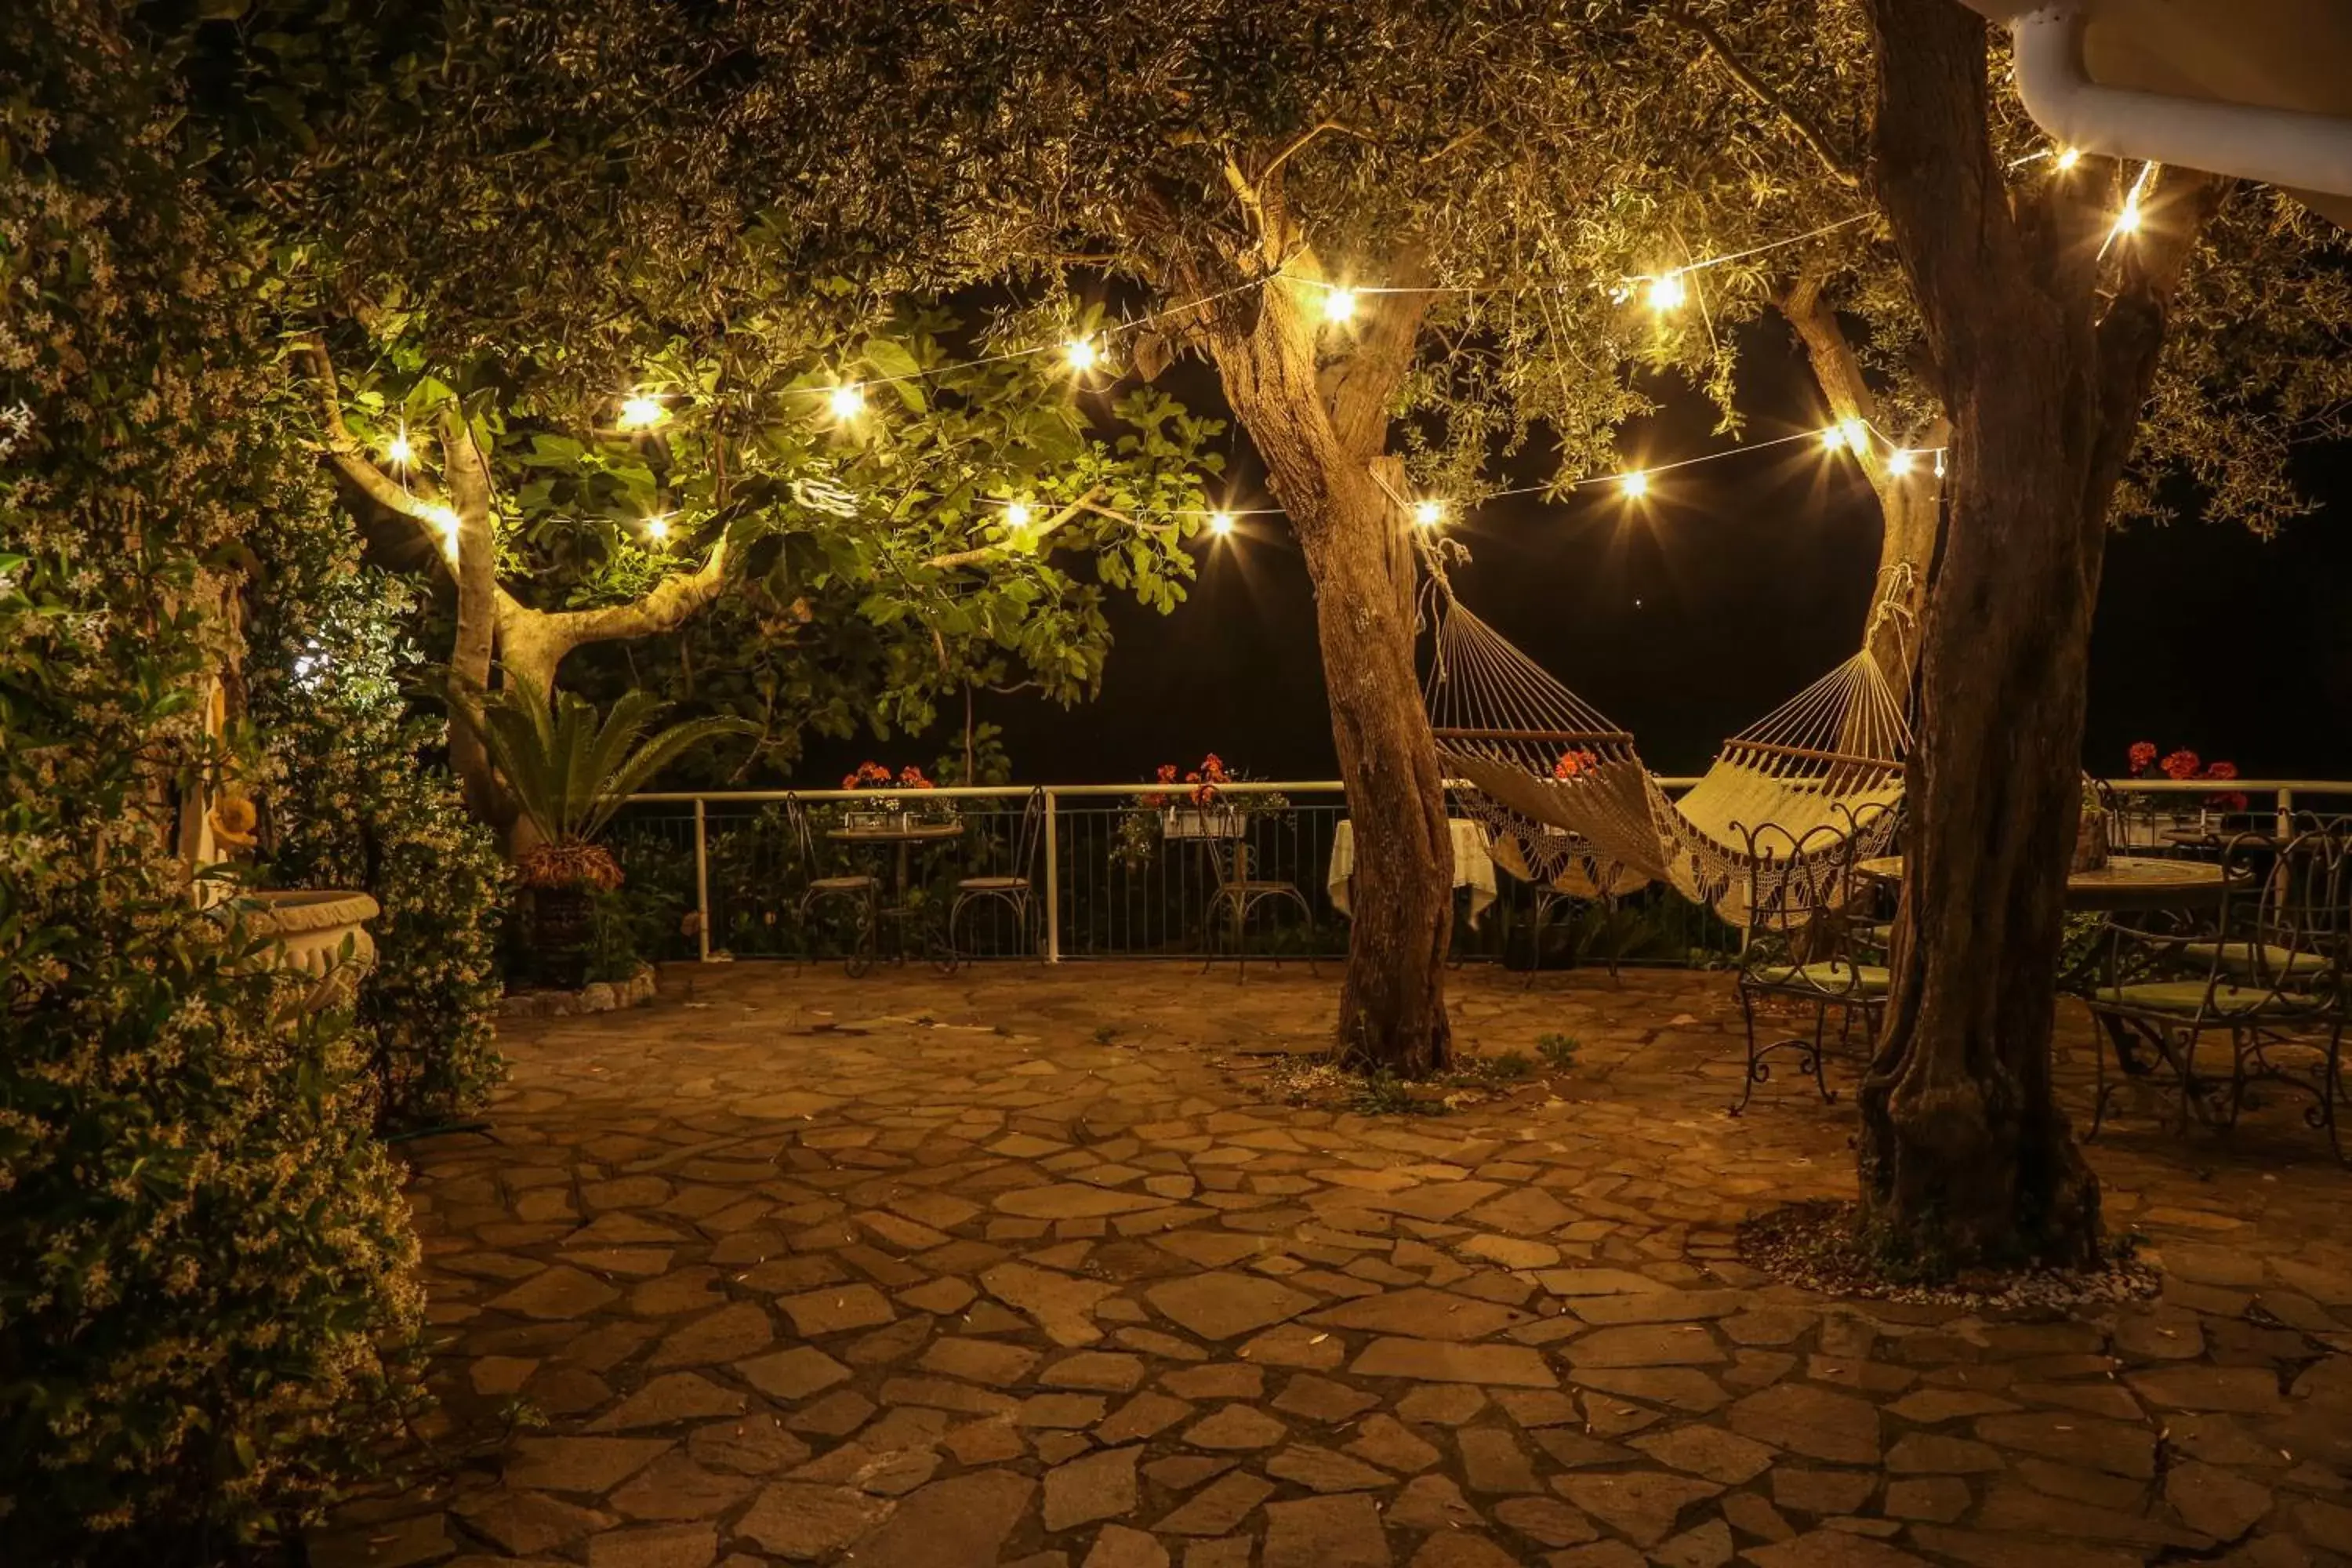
[{"x": 1565, "y": 789}]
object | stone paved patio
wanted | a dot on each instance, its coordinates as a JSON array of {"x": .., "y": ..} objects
[{"x": 1025, "y": 1266}]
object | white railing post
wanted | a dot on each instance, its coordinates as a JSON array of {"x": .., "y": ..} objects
[
  {"x": 701, "y": 883},
  {"x": 1053, "y": 882}
]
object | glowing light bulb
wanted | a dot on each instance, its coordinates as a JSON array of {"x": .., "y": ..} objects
[
  {"x": 2128, "y": 220},
  {"x": 658, "y": 528},
  {"x": 1939, "y": 462},
  {"x": 1081, "y": 355},
  {"x": 397, "y": 451},
  {"x": 2069, "y": 156},
  {"x": 1635, "y": 485},
  {"x": 1834, "y": 438},
  {"x": 1016, "y": 516},
  {"x": 1666, "y": 292},
  {"x": 642, "y": 412},
  {"x": 1900, "y": 461},
  {"x": 1428, "y": 514},
  {"x": 1338, "y": 304},
  {"x": 1220, "y": 523}
]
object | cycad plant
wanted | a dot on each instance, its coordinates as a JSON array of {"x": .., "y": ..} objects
[{"x": 569, "y": 771}]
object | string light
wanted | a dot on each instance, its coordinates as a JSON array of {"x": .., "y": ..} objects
[
  {"x": 1080, "y": 355},
  {"x": 642, "y": 412},
  {"x": 1666, "y": 292},
  {"x": 1834, "y": 438},
  {"x": 397, "y": 451},
  {"x": 1939, "y": 462},
  {"x": 847, "y": 402},
  {"x": 1899, "y": 462},
  {"x": 1635, "y": 484},
  {"x": 2128, "y": 221},
  {"x": 2068, "y": 157},
  {"x": 1016, "y": 516},
  {"x": 1221, "y": 523},
  {"x": 658, "y": 528},
  {"x": 1428, "y": 514},
  {"x": 1338, "y": 304}
]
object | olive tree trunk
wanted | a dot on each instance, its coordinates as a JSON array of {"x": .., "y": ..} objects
[
  {"x": 2045, "y": 360},
  {"x": 1323, "y": 436}
]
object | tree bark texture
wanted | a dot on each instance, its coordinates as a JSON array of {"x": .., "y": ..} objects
[
  {"x": 1908, "y": 501},
  {"x": 474, "y": 566},
  {"x": 1965, "y": 1156},
  {"x": 1323, "y": 439}
]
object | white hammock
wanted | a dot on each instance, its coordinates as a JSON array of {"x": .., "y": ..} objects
[{"x": 1548, "y": 771}]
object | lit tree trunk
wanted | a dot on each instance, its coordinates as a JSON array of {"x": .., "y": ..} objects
[
  {"x": 474, "y": 567},
  {"x": 1965, "y": 1156},
  {"x": 1906, "y": 501},
  {"x": 1323, "y": 439}
]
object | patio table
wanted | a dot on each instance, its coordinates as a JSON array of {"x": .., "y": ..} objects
[
  {"x": 2126, "y": 884},
  {"x": 1474, "y": 866},
  {"x": 906, "y": 836}
]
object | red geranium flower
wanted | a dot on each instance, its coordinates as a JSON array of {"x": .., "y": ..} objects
[
  {"x": 1572, "y": 764},
  {"x": 2182, "y": 765},
  {"x": 2221, "y": 770},
  {"x": 2143, "y": 755}
]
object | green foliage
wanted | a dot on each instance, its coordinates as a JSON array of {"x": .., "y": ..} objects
[
  {"x": 569, "y": 771},
  {"x": 204, "y": 1310},
  {"x": 1558, "y": 1051},
  {"x": 352, "y": 801}
]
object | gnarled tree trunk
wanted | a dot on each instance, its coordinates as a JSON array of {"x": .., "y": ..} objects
[
  {"x": 1965, "y": 1155},
  {"x": 1322, "y": 439}
]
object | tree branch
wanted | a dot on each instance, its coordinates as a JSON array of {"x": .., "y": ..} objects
[
  {"x": 990, "y": 551},
  {"x": 1798, "y": 122},
  {"x": 665, "y": 606},
  {"x": 2130, "y": 334},
  {"x": 351, "y": 458},
  {"x": 1300, "y": 145}
]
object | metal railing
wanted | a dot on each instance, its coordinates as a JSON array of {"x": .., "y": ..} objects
[{"x": 720, "y": 874}]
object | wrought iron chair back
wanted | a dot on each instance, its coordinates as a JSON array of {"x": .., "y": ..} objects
[{"x": 1802, "y": 893}]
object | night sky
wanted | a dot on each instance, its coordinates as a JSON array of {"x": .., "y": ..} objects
[{"x": 1733, "y": 585}]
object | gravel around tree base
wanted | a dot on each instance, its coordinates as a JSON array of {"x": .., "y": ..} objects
[{"x": 1815, "y": 1245}]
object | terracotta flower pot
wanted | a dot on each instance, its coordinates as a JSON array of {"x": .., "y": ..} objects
[{"x": 562, "y": 924}]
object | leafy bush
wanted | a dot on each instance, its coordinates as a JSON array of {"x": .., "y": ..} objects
[
  {"x": 350, "y": 803},
  {"x": 206, "y": 1253}
]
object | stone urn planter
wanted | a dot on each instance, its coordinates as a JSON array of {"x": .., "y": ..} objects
[{"x": 306, "y": 930}]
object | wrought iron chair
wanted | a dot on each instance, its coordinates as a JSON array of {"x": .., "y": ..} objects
[
  {"x": 2274, "y": 977},
  {"x": 862, "y": 890},
  {"x": 1804, "y": 942},
  {"x": 1014, "y": 889},
  {"x": 1240, "y": 893}
]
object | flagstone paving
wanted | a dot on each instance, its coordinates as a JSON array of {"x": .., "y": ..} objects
[{"x": 1027, "y": 1266}]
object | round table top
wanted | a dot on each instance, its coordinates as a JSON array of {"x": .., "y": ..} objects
[
  {"x": 912, "y": 833},
  {"x": 2124, "y": 882}
]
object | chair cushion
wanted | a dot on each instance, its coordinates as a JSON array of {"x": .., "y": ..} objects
[
  {"x": 993, "y": 885},
  {"x": 1833, "y": 978},
  {"x": 2239, "y": 958},
  {"x": 2186, "y": 998},
  {"x": 843, "y": 884},
  {"x": 1254, "y": 888}
]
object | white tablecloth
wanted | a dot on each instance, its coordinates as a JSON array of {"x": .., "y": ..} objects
[{"x": 1473, "y": 867}]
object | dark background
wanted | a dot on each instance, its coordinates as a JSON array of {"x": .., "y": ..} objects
[{"x": 1735, "y": 585}]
